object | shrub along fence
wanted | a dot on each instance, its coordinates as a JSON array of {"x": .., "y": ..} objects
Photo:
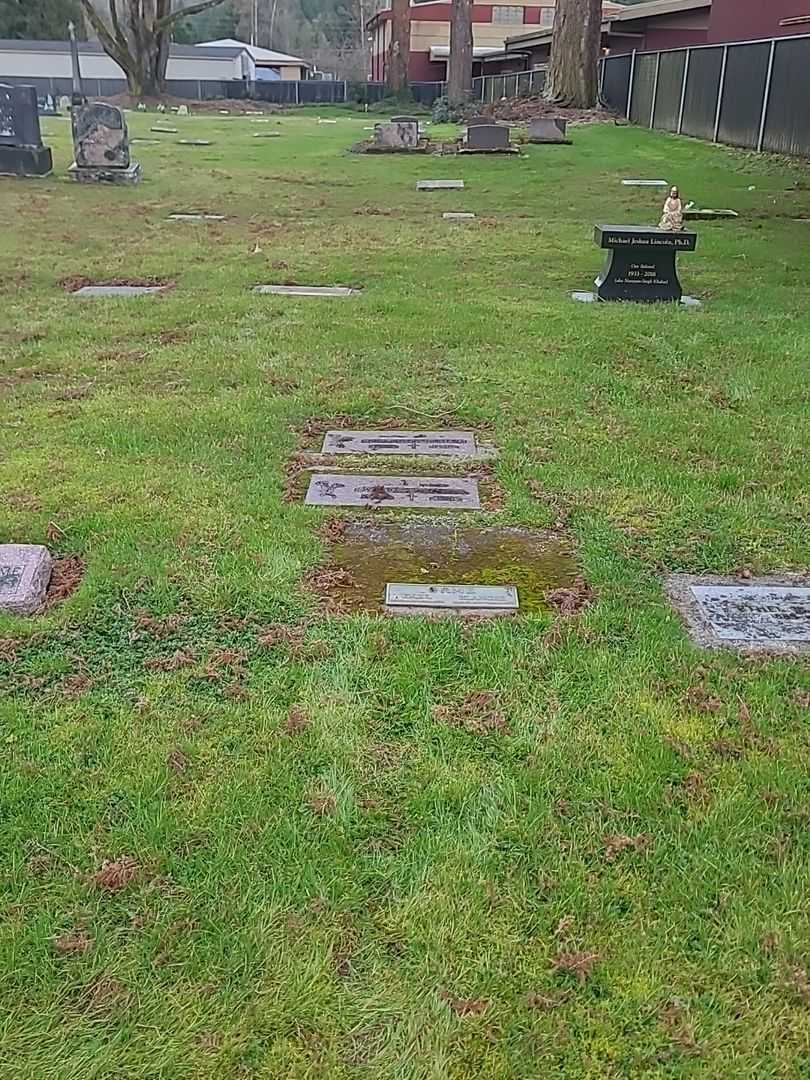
[{"x": 752, "y": 94}]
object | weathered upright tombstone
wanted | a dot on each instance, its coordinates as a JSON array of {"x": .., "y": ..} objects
[
  {"x": 640, "y": 263},
  {"x": 487, "y": 137},
  {"x": 101, "y": 145},
  {"x": 399, "y": 135},
  {"x": 21, "y": 150},
  {"x": 549, "y": 130},
  {"x": 25, "y": 570}
]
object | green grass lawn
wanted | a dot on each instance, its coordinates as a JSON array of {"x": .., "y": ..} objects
[{"x": 328, "y": 859}]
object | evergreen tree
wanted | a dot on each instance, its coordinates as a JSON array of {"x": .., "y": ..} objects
[{"x": 42, "y": 20}]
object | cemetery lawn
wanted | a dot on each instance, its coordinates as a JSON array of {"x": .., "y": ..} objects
[{"x": 243, "y": 838}]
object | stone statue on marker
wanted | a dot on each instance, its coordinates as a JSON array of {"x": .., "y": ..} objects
[{"x": 672, "y": 220}]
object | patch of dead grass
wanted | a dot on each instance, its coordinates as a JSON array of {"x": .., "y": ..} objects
[{"x": 478, "y": 712}]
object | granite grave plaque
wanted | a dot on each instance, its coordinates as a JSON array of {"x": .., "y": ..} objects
[
  {"x": 430, "y": 443},
  {"x": 486, "y": 597},
  {"x": 766, "y": 614},
  {"x": 487, "y": 137},
  {"x": 436, "y": 492},
  {"x": 21, "y": 149},
  {"x": 25, "y": 570},
  {"x": 640, "y": 263},
  {"x": 548, "y": 130},
  {"x": 114, "y": 291}
]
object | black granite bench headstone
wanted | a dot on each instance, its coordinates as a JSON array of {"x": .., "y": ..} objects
[
  {"x": 640, "y": 263},
  {"x": 21, "y": 149}
]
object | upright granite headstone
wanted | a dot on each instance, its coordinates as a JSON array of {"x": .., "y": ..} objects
[
  {"x": 640, "y": 262},
  {"x": 21, "y": 149},
  {"x": 487, "y": 137},
  {"x": 399, "y": 135},
  {"x": 25, "y": 570},
  {"x": 101, "y": 145},
  {"x": 547, "y": 129}
]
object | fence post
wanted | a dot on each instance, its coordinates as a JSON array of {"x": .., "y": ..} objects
[
  {"x": 297, "y": 93},
  {"x": 602, "y": 66},
  {"x": 766, "y": 97},
  {"x": 345, "y": 90},
  {"x": 630, "y": 83},
  {"x": 683, "y": 90},
  {"x": 655, "y": 90},
  {"x": 720, "y": 91}
]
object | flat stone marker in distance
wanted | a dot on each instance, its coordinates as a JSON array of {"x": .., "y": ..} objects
[
  {"x": 488, "y": 597},
  {"x": 165, "y": 130},
  {"x": 452, "y": 215},
  {"x": 336, "y": 489},
  {"x": 193, "y": 142},
  {"x": 768, "y": 614},
  {"x": 439, "y": 185},
  {"x": 25, "y": 570},
  {"x": 118, "y": 290},
  {"x": 645, "y": 183},
  {"x": 306, "y": 290},
  {"x": 196, "y": 217},
  {"x": 429, "y": 443}
]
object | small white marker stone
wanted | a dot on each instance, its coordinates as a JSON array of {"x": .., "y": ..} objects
[
  {"x": 196, "y": 217},
  {"x": 645, "y": 183},
  {"x": 452, "y": 216},
  {"x": 306, "y": 290},
  {"x": 25, "y": 570},
  {"x": 439, "y": 185},
  {"x": 487, "y": 597},
  {"x": 114, "y": 291}
]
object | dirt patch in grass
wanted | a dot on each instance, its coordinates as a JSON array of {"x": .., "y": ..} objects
[
  {"x": 570, "y": 601},
  {"x": 332, "y": 585},
  {"x": 116, "y": 874},
  {"x": 479, "y": 713},
  {"x": 179, "y": 659},
  {"x": 66, "y": 576},
  {"x": 616, "y": 844},
  {"x": 322, "y": 802},
  {"x": 464, "y": 1006},
  {"x": 298, "y": 719},
  {"x": 580, "y": 965},
  {"x": 77, "y": 281},
  {"x": 74, "y": 942},
  {"x": 177, "y": 762},
  {"x": 106, "y": 994},
  {"x": 155, "y": 626},
  {"x": 547, "y": 1002},
  {"x": 121, "y": 356}
]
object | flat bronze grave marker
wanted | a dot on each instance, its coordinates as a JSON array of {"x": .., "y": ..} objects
[
  {"x": 429, "y": 443},
  {"x": 485, "y": 597},
  {"x": 435, "y": 492}
]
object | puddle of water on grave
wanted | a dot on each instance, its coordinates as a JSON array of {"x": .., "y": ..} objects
[{"x": 443, "y": 553}]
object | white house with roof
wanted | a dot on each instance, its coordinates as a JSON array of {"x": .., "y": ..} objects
[{"x": 267, "y": 63}]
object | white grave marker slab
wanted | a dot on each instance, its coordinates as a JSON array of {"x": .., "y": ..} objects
[
  {"x": 437, "y": 492},
  {"x": 196, "y": 217},
  {"x": 487, "y": 597},
  {"x": 452, "y": 216},
  {"x": 645, "y": 183},
  {"x": 306, "y": 290},
  {"x": 119, "y": 290},
  {"x": 429, "y": 443},
  {"x": 439, "y": 185},
  {"x": 25, "y": 570}
]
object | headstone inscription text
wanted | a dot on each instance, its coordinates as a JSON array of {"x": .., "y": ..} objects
[
  {"x": 336, "y": 489},
  {"x": 21, "y": 149},
  {"x": 640, "y": 262},
  {"x": 755, "y": 613},
  {"x": 399, "y": 442},
  {"x": 25, "y": 570},
  {"x": 485, "y": 597}
]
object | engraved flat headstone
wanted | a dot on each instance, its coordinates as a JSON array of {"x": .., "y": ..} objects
[
  {"x": 21, "y": 149},
  {"x": 765, "y": 614},
  {"x": 645, "y": 183},
  {"x": 452, "y": 215},
  {"x": 430, "y": 443},
  {"x": 267, "y": 135},
  {"x": 306, "y": 290},
  {"x": 118, "y": 290},
  {"x": 193, "y": 142},
  {"x": 336, "y": 489},
  {"x": 489, "y": 597},
  {"x": 25, "y": 570},
  {"x": 439, "y": 185},
  {"x": 164, "y": 130}
]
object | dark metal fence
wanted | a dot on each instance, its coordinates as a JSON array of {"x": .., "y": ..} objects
[
  {"x": 752, "y": 94},
  {"x": 518, "y": 84}
]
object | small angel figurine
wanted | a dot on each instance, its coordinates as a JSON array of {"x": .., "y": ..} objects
[{"x": 672, "y": 221}]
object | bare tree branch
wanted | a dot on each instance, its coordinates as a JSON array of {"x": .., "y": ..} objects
[
  {"x": 118, "y": 50},
  {"x": 195, "y": 9}
]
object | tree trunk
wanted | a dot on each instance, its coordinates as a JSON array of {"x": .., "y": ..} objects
[
  {"x": 459, "y": 64},
  {"x": 572, "y": 78},
  {"x": 400, "y": 47},
  {"x": 138, "y": 38}
]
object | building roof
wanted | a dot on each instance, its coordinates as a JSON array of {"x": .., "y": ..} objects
[
  {"x": 617, "y": 14},
  {"x": 94, "y": 47},
  {"x": 260, "y": 56}
]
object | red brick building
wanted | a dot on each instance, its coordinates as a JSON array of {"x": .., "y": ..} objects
[{"x": 673, "y": 24}]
